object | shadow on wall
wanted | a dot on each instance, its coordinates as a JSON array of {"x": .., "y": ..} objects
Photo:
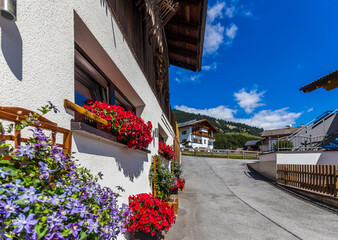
[
  {"x": 130, "y": 162},
  {"x": 11, "y": 46},
  {"x": 105, "y": 5}
]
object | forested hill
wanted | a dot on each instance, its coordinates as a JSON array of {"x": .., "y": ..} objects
[{"x": 221, "y": 125}]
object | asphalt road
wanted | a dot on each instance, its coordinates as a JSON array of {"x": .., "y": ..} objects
[{"x": 223, "y": 199}]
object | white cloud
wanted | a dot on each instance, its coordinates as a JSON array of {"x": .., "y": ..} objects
[
  {"x": 310, "y": 110},
  {"x": 213, "y": 37},
  {"x": 249, "y": 100},
  {"x": 230, "y": 32},
  {"x": 215, "y": 11},
  {"x": 220, "y": 112},
  {"x": 272, "y": 119},
  {"x": 184, "y": 77},
  {"x": 267, "y": 119},
  {"x": 209, "y": 67},
  {"x": 247, "y": 13},
  {"x": 230, "y": 11}
]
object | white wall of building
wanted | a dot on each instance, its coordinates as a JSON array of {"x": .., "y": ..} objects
[
  {"x": 37, "y": 65},
  {"x": 268, "y": 162}
]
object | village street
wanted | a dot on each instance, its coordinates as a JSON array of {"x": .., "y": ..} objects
[{"x": 223, "y": 199}]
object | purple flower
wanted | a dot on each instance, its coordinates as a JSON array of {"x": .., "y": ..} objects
[
  {"x": 30, "y": 194},
  {"x": 4, "y": 173},
  {"x": 8, "y": 208},
  {"x": 53, "y": 107},
  {"x": 92, "y": 226},
  {"x": 54, "y": 220},
  {"x": 45, "y": 170},
  {"x": 28, "y": 150},
  {"x": 25, "y": 223},
  {"x": 100, "y": 175}
]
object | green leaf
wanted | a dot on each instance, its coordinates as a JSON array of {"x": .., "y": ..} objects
[
  {"x": 83, "y": 235},
  {"x": 41, "y": 231},
  {"x": 20, "y": 202}
]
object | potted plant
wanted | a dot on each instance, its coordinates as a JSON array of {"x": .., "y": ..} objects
[
  {"x": 125, "y": 125},
  {"x": 46, "y": 195},
  {"x": 166, "y": 151},
  {"x": 150, "y": 216}
]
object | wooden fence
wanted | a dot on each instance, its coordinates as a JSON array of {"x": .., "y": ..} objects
[
  {"x": 221, "y": 153},
  {"x": 16, "y": 114},
  {"x": 317, "y": 178}
]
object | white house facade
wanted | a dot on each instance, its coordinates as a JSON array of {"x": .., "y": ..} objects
[
  {"x": 77, "y": 50},
  {"x": 197, "y": 134}
]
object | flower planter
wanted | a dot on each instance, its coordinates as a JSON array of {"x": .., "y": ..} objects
[
  {"x": 146, "y": 236},
  {"x": 174, "y": 205},
  {"x": 175, "y": 191}
]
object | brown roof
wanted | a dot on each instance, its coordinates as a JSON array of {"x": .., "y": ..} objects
[
  {"x": 279, "y": 132},
  {"x": 328, "y": 82},
  {"x": 194, "y": 122},
  {"x": 185, "y": 34}
]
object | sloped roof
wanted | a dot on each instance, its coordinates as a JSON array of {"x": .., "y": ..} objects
[
  {"x": 328, "y": 82},
  {"x": 253, "y": 143},
  {"x": 279, "y": 132},
  {"x": 194, "y": 122},
  {"x": 185, "y": 34}
]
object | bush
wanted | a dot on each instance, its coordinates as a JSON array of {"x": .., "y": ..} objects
[
  {"x": 163, "y": 177},
  {"x": 166, "y": 151},
  {"x": 44, "y": 194}
]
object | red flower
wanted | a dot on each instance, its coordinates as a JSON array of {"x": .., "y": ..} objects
[
  {"x": 134, "y": 132},
  {"x": 149, "y": 214}
]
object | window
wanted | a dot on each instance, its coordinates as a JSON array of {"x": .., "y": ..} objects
[
  {"x": 205, "y": 141},
  {"x": 92, "y": 83},
  {"x": 184, "y": 132}
]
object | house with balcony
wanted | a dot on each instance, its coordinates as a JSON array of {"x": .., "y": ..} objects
[
  {"x": 114, "y": 51},
  {"x": 197, "y": 134}
]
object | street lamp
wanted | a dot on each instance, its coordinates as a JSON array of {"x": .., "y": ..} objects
[{"x": 8, "y": 9}]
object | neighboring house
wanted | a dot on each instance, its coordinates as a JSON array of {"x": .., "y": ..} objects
[
  {"x": 197, "y": 134},
  {"x": 253, "y": 145},
  {"x": 117, "y": 51},
  {"x": 329, "y": 82},
  {"x": 271, "y": 137}
]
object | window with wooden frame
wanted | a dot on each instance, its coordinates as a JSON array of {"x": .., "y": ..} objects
[{"x": 92, "y": 83}]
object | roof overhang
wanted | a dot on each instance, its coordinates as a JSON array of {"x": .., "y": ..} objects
[
  {"x": 328, "y": 82},
  {"x": 185, "y": 34}
]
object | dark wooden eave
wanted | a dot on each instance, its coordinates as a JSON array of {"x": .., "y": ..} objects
[
  {"x": 185, "y": 34},
  {"x": 328, "y": 82}
]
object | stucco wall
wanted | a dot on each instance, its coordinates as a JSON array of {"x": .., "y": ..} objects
[{"x": 37, "y": 65}]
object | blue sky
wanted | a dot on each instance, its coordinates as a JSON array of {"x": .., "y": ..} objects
[{"x": 257, "y": 55}]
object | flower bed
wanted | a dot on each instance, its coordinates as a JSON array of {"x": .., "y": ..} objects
[
  {"x": 129, "y": 128},
  {"x": 45, "y": 195},
  {"x": 166, "y": 151},
  {"x": 149, "y": 214}
]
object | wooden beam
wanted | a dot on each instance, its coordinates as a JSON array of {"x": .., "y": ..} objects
[
  {"x": 189, "y": 2},
  {"x": 182, "y": 39},
  {"x": 186, "y": 25},
  {"x": 183, "y": 52},
  {"x": 182, "y": 65},
  {"x": 74, "y": 107}
]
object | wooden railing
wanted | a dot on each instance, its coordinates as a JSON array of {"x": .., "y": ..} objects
[
  {"x": 16, "y": 114},
  {"x": 317, "y": 178},
  {"x": 221, "y": 153}
]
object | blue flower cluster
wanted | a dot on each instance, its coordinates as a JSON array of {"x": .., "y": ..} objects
[{"x": 44, "y": 194}]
